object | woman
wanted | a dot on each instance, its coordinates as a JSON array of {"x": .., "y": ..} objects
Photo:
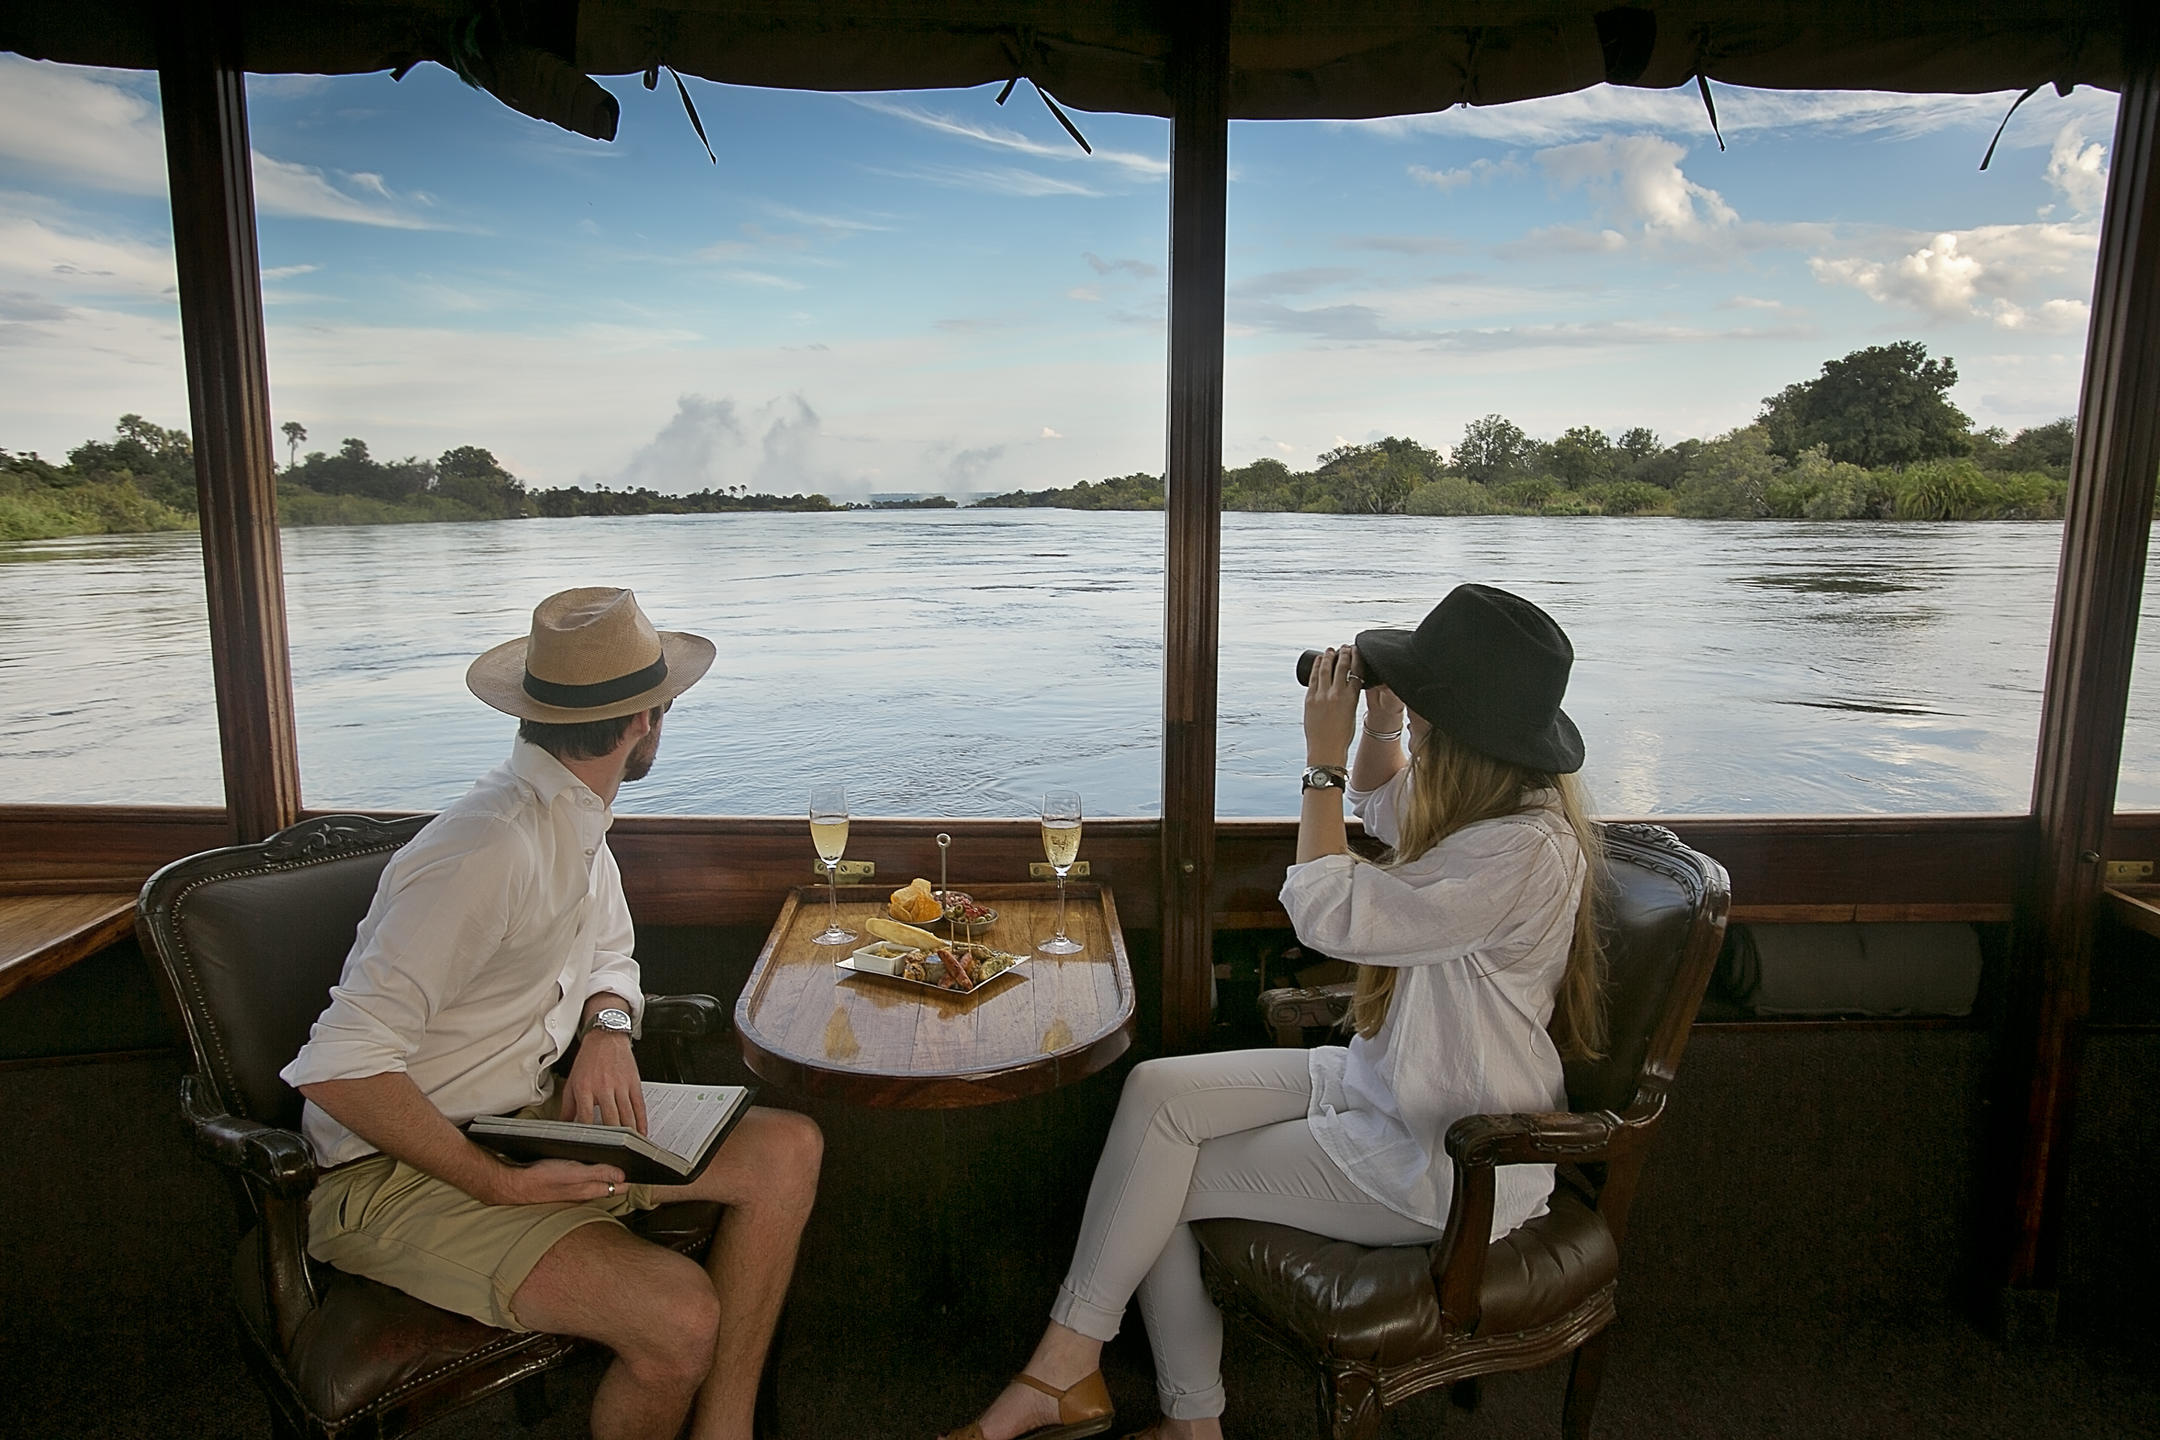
[{"x": 1470, "y": 939}]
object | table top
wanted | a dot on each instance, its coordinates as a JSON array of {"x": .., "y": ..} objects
[
  {"x": 813, "y": 1027},
  {"x": 41, "y": 935}
]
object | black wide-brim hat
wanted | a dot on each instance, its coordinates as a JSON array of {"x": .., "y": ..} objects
[{"x": 1489, "y": 668}]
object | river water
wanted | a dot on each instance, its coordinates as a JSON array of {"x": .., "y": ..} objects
[{"x": 961, "y": 662}]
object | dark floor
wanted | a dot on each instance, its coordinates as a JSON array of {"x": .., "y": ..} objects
[{"x": 1800, "y": 1263}]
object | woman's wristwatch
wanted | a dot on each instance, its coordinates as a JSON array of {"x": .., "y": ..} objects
[{"x": 1326, "y": 777}]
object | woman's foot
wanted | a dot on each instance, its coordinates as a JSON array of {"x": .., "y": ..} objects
[{"x": 1031, "y": 1403}]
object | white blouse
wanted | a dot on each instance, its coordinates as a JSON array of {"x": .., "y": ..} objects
[{"x": 1479, "y": 928}]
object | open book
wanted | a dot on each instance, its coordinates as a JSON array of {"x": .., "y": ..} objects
[{"x": 684, "y": 1125}]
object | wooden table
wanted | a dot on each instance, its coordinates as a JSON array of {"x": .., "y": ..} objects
[
  {"x": 806, "y": 1024},
  {"x": 42, "y": 935}
]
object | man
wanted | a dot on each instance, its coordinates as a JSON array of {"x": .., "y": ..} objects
[{"x": 498, "y": 940}]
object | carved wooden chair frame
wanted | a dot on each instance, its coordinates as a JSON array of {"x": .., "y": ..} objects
[
  {"x": 271, "y": 1170},
  {"x": 1600, "y": 1154}
]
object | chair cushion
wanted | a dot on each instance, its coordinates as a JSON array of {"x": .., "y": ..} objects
[
  {"x": 1379, "y": 1306},
  {"x": 366, "y": 1343}
]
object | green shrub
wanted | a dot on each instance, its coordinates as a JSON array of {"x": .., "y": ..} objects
[
  {"x": 1449, "y": 495},
  {"x": 1729, "y": 478},
  {"x": 1627, "y": 497}
]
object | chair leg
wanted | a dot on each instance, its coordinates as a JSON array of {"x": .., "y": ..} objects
[
  {"x": 1582, "y": 1391},
  {"x": 1349, "y": 1407}
]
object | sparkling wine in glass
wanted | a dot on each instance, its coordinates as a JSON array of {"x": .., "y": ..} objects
[
  {"x": 828, "y": 832},
  {"x": 1061, "y": 846}
]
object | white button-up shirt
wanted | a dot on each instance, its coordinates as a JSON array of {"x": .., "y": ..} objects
[
  {"x": 489, "y": 931},
  {"x": 1478, "y": 929}
]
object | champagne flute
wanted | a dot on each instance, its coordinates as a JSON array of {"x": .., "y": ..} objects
[
  {"x": 828, "y": 832},
  {"x": 1061, "y": 846}
]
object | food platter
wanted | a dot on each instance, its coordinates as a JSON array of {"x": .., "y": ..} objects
[{"x": 886, "y": 960}]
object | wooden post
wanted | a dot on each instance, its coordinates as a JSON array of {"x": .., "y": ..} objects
[
  {"x": 203, "y": 88},
  {"x": 1199, "y": 180},
  {"x": 2097, "y": 598}
]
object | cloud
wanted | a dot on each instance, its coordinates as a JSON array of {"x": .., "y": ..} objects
[
  {"x": 966, "y": 468},
  {"x": 1406, "y": 244},
  {"x": 682, "y": 456},
  {"x": 1606, "y": 109},
  {"x": 57, "y": 262},
  {"x": 1446, "y": 180},
  {"x": 1934, "y": 278},
  {"x": 819, "y": 222},
  {"x": 790, "y": 459},
  {"x": 1563, "y": 240},
  {"x": 1291, "y": 282},
  {"x": 995, "y": 179},
  {"x": 1050, "y": 434},
  {"x": 20, "y": 307},
  {"x": 2078, "y": 170},
  {"x": 761, "y": 278},
  {"x": 2000, "y": 273},
  {"x": 1134, "y": 164},
  {"x": 1138, "y": 269},
  {"x": 1086, "y": 293},
  {"x": 102, "y": 130},
  {"x": 710, "y": 443},
  {"x": 1635, "y": 180}
]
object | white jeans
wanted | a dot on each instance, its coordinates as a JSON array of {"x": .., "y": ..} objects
[{"x": 1201, "y": 1137}]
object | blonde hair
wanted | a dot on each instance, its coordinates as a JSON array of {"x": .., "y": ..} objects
[{"x": 1452, "y": 786}]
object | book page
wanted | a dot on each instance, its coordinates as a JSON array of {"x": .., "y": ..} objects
[{"x": 682, "y": 1118}]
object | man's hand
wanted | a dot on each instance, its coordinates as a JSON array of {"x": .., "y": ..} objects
[
  {"x": 603, "y": 1084},
  {"x": 549, "y": 1182}
]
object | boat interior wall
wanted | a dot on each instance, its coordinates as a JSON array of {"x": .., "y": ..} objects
[
  {"x": 697, "y": 870},
  {"x": 1345, "y": 59},
  {"x": 1809, "y": 1185}
]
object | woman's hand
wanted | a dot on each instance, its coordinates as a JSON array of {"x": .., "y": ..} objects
[
  {"x": 1331, "y": 702},
  {"x": 1383, "y": 709}
]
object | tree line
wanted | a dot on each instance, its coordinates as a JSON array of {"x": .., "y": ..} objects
[
  {"x": 1872, "y": 437},
  {"x": 143, "y": 479}
]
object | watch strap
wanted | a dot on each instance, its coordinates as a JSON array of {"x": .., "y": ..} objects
[{"x": 1326, "y": 777}]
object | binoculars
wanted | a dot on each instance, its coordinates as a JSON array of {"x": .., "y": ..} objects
[{"x": 1306, "y": 661}]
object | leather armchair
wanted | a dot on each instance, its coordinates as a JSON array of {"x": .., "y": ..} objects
[
  {"x": 249, "y": 941},
  {"x": 1381, "y": 1325}
]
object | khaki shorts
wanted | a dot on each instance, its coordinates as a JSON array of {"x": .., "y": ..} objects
[{"x": 380, "y": 1218}]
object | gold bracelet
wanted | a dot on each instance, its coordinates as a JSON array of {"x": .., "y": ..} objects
[{"x": 1372, "y": 734}]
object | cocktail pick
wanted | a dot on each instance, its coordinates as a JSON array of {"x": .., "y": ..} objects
[{"x": 944, "y": 848}]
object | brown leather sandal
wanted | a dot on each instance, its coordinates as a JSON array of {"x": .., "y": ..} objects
[{"x": 1083, "y": 1409}]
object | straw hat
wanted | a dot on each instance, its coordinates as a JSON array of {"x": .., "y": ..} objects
[
  {"x": 1489, "y": 669},
  {"x": 592, "y": 655}
]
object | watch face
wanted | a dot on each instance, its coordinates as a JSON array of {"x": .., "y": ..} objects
[{"x": 612, "y": 1019}]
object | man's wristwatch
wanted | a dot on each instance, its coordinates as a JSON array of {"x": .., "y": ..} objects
[
  {"x": 610, "y": 1019},
  {"x": 1326, "y": 777}
]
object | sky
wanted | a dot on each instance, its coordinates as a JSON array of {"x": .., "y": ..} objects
[{"x": 928, "y": 292}]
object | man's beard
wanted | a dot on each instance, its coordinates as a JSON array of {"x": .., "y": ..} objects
[{"x": 642, "y": 754}]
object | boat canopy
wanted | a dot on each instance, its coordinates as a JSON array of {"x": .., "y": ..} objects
[{"x": 1344, "y": 59}]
